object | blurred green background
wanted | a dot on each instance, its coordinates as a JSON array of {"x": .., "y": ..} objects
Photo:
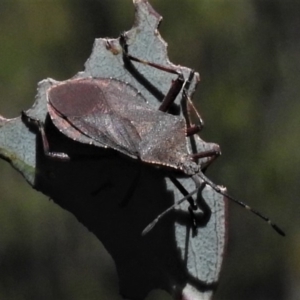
[{"x": 248, "y": 55}]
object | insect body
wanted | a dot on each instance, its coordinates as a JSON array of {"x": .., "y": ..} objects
[{"x": 111, "y": 114}]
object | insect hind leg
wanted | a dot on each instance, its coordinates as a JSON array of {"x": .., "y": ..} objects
[
  {"x": 177, "y": 85},
  {"x": 36, "y": 122}
]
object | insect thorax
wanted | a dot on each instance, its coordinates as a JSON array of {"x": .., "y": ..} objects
[{"x": 188, "y": 166}]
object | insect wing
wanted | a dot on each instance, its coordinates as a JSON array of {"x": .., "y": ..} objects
[
  {"x": 158, "y": 130},
  {"x": 87, "y": 116},
  {"x": 110, "y": 113}
]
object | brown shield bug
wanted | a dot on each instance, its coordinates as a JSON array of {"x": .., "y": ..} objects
[{"x": 108, "y": 113}]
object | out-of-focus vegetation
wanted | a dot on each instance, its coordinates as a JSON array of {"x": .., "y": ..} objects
[{"x": 248, "y": 54}]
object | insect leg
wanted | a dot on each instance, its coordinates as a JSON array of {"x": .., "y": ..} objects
[
  {"x": 186, "y": 102},
  {"x": 53, "y": 155},
  {"x": 154, "y": 222},
  {"x": 136, "y": 74},
  {"x": 124, "y": 46},
  {"x": 169, "y": 98},
  {"x": 174, "y": 90},
  {"x": 201, "y": 204},
  {"x": 183, "y": 191},
  {"x": 172, "y": 93},
  {"x": 211, "y": 156}
]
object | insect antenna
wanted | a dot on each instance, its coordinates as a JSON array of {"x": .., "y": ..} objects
[
  {"x": 155, "y": 221},
  {"x": 219, "y": 190}
]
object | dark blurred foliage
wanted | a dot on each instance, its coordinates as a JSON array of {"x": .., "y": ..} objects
[{"x": 248, "y": 54}]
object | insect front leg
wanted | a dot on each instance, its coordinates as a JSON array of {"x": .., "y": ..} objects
[
  {"x": 53, "y": 155},
  {"x": 211, "y": 156}
]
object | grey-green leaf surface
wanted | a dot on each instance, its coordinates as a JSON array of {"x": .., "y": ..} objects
[{"x": 169, "y": 257}]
